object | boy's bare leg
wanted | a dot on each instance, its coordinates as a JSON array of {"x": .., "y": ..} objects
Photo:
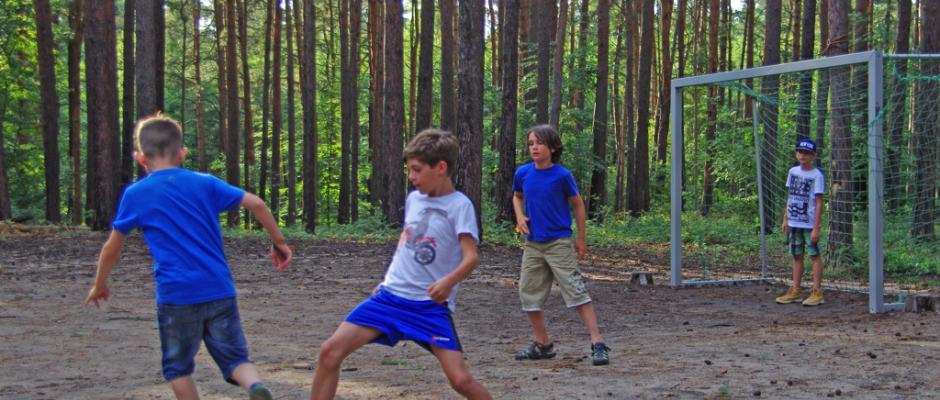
[
  {"x": 347, "y": 338},
  {"x": 185, "y": 388},
  {"x": 459, "y": 375},
  {"x": 246, "y": 375},
  {"x": 587, "y": 314},
  {"x": 817, "y": 271},
  {"x": 798, "y": 270},
  {"x": 537, "y": 319}
]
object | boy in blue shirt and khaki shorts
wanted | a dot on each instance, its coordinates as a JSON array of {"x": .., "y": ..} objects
[
  {"x": 543, "y": 192},
  {"x": 177, "y": 211}
]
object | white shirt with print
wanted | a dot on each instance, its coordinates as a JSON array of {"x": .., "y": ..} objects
[
  {"x": 429, "y": 245},
  {"x": 802, "y": 188}
]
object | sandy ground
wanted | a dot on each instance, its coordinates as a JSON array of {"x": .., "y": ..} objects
[{"x": 688, "y": 343}]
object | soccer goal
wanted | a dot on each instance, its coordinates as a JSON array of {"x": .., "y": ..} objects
[{"x": 876, "y": 120}]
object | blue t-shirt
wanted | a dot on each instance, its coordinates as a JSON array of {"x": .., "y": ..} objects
[
  {"x": 546, "y": 194},
  {"x": 178, "y": 212}
]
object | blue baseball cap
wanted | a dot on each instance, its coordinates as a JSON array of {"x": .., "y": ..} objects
[{"x": 806, "y": 145}]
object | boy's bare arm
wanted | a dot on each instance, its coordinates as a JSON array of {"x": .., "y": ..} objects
[
  {"x": 441, "y": 289},
  {"x": 518, "y": 205},
  {"x": 580, "y": 216},
  {"x": 783, "y": 225},
  {"x": 814, "y": 235},
  {"x": 110, "y": 254},
  {"x": 281, "y": 253}
]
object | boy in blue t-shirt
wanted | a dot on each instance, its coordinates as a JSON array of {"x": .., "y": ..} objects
[
  {"x": 178, "y": 212},
  {"x": 543, "y": 192},
  {"x": 801, "y": 222},
  {"x": 436, "y": 251}
]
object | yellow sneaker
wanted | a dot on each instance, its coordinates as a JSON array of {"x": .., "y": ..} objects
[
  {"x": 793, "y": 295},
  {"x": 814, "y": 299}
]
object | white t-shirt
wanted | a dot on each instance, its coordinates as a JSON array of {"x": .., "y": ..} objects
[
  {"x": 802, "y": 188},
  {"x": 429, "y": 245}
]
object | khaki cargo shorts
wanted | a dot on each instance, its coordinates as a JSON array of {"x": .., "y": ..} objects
[{"x": 544, "y": 263}]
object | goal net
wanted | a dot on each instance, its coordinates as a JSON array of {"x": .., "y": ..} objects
[{"x": 876, "y": 122}]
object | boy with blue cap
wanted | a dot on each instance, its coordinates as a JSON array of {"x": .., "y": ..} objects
[{"x": 801, "y": 221}]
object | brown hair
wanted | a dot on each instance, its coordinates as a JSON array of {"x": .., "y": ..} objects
[
  {"x": 158, "y": 136},
  {"x": 432, "y": 146},
  {"x": 550, "y": 137}
]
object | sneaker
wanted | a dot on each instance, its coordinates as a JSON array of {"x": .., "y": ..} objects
[
  {"x": 599, "y": 354},
  {"x": 536, "y": 351},
  {"x": 814, "y": 299},
  {"x": 259, "y": 392},
  {"x": 793, "y": 295}
]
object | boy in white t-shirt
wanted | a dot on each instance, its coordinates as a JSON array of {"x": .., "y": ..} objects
[
  {"x": 437, "y": 250},
  {"x": 805, "y": 188}
]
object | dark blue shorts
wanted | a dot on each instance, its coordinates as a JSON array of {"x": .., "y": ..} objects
[
  {"x": 183, "y": 327},
  {"x": 425, "y": 322}
]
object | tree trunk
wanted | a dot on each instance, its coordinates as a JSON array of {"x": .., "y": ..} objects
[
  {"x": 394, "y": 119},
  {"x": 355, "y": 21},
  {"x": 291, "y": 173},
  {"x": 647, "y": 37},
  {"x": 896, "y": 113},
  {"x": 377, "y": 187},
  {"x": 412, "y": 70},
  {"x": 448, "y": 50},
  {"x": 558, "y": 66},
  {"x": 470, "y": 104},
  {"x": 599, "y": 174},
  {"x": 494, "y": 43},
  {"x": 346, "y": 89},
  {"x": 6, "y": 210},
  {"x": 927, "y": 120},
  {"x": 265, "y": 97},
  {"x": 145, "y": 72},
  {"x": 841, "y": 197},
  {"x": 219, "y": 20},
  {"x": 544, "y": 29},
  {"x": 249, "y": 158},
  {"x": 75, "y": 109},
  {"x": 770, "y": 88},
  {"x": 822, "y": 87},
  {"x": 197, "y": 90},
  {"x": 662, "y": 118},
  {"x": 806, "y": 78},
  {"x": 159, "y": 24},
  {"x": 309, "y": 99},
  {"x": 49, "y": 101},
  {"x": 102, "y": 109},
  {"x": 708, "y": 180},
  {"x": 506, "y": 143},
  {"x": 426, "y": 68},
  {"x": 128, "y": 118},
  {"x": 231, "y": 83},
  {"x": 577, "y": 95},
  {"x": 277, "y": 115},
  {"x": 749, "y": 56}
]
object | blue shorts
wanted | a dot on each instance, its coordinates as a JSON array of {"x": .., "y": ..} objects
[
  {"x": 184, "y": 326},
  {"x": 424, "y": 322}
]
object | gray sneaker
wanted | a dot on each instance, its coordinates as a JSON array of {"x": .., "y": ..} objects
[
  {"x": 259, "y": 392},
  {"x": 599, "y": 354}
]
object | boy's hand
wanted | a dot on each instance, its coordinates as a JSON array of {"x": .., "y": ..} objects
[
  {"x": 97, "y": 293},
  {"x": 440, "y": 290},
  {"x": 814, "y": 236},
  {"x": 580, "y": 247},
  {"x": 783, "y": 227},
  {"x": 522, "y": 224},
  {"x": 281, "y": 255}
]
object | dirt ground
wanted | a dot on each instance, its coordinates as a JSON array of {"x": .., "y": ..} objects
[{"x": 689, "y": 343}]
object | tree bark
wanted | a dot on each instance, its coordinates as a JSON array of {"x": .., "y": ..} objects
[
  {"x": 377, "y": 187},
  {"x": 896, "y": 113},
  {"x": 277, "y": 115},
  {"x": 49, "y": 103},
  {"x": 197, "y": 90},
  {"x": 266, "y": 97},
  {"x": 506, "y": 143},
  {"x": 145, "y": 73},
  {"x": 599, "y": 174},
  {"x": 394, "y": 118},
  {"x": 662, "y": 118},
  {"x": 309, "y": 99},
  {"x": 822, "y": 87},
  {"x": 708, "y": 180},
  {"x": 927, "y": 120},
  {"x": 231, "y": 77},
  {"x": 448, "y": 50},
  {"x": 470, "y": 104},
  {"x": 75, "y": 109},
  {"x": 558, "y": 65},
  {"x": 806, "y": 78},
  {"x": 647, "y": 37},
  {"x": 425, "y": 68},
  {"x": 128, "y": 117},
  {"x": 770, "y": 88},
  {"x": 291, "y": 173},
  {"x": 544, "y": 29},
  {"x": 102, "y": 109},
  {"x": 842, "y": 194},
  {"x": 249, "y": 149}
]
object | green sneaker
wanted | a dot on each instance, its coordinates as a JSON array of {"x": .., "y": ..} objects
[
  {"x": 599, "y": 354},
  {"x": 259, "y": 392}
]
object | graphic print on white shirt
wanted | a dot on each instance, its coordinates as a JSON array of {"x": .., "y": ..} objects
[{"x": 802, "y": 188}]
